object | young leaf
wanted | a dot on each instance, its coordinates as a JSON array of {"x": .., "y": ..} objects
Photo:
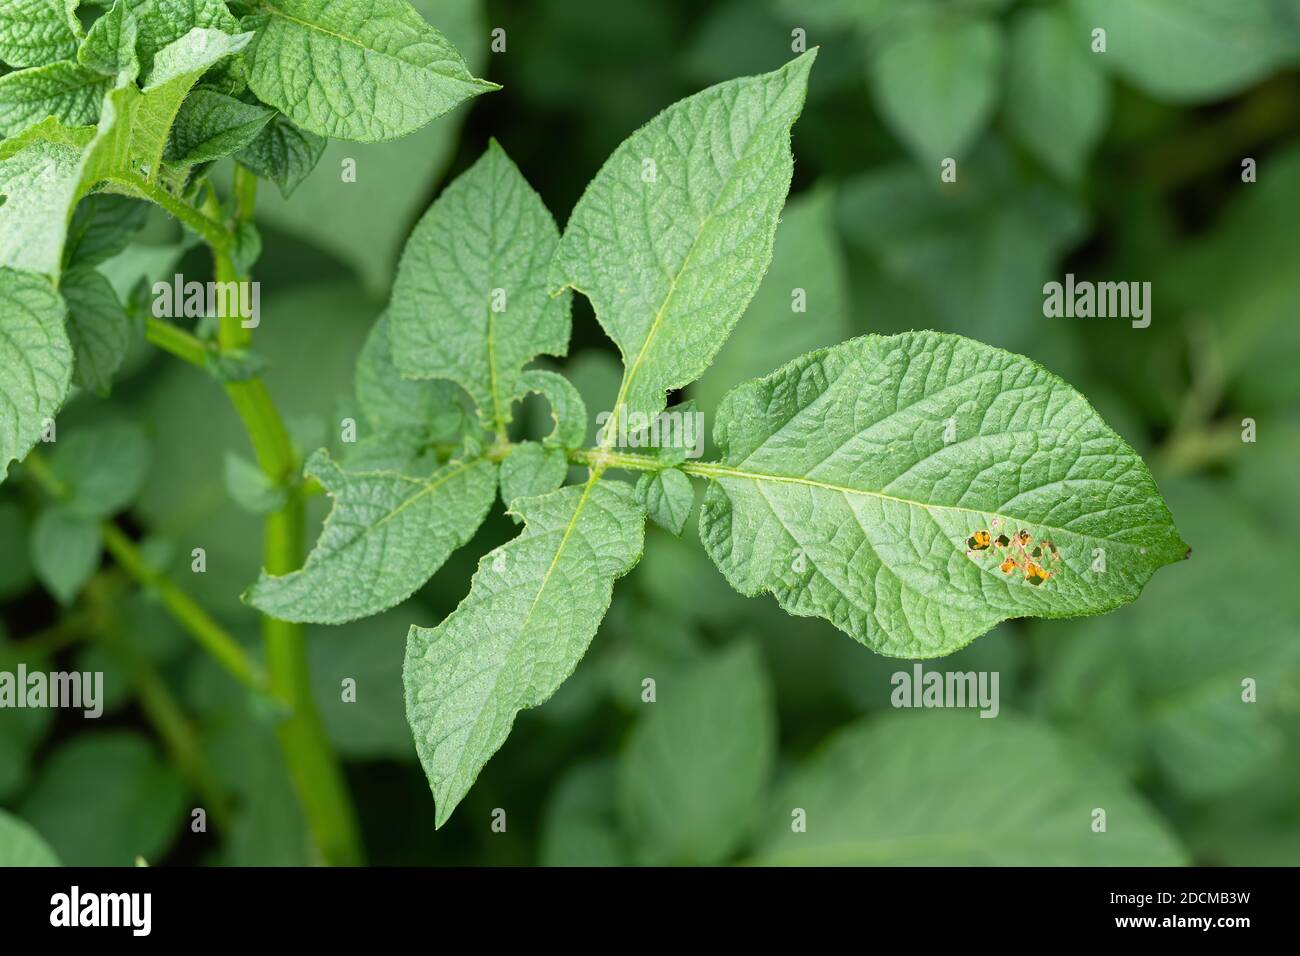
[
  {"x": 936, "y": 84},
  {"x": 40, "y": 181},
  {"x": 568, "y": 410},
  {"x": 670, "y": 240},
  {"x": 65, "y": 552},
  {"x": 98, "y": 327},
  {"x": 951, "y": 790},
  {"x": 363, "y": 70},
  {"x": 66, "y": 90},
  {"x": 102, "y": 468},
  {"x": 531, "y": 471},
  {"x": 696, "y": 766},
  {"x": 282, "y": 153},
  {"x": 532, "y": 610},
  {"x": 667, "y": 497},
  {"x": 251, "y": 488},
  {"x": 853, "y": 477},
  {"x": 385, "y": 536},
  {"x": 20, "y": 845},
  {"x": 160, "y": 23},
  {"x": 110, "y": 46},
  {"x": 35, "y": 361},
  {"x": 212, "y": 125},
  {"x": 37, "y": 32},
  {"x": 470, "y": 301},
  {"x": 1057, "y": 98},
  {"x": 102, "y": 226}
]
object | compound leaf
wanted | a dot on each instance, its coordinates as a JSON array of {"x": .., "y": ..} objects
[
  {"x": 363, "y": 70},
  {"x": 470, "y": 303},
  {"x": 533, "y": 608},
  {"x": 855, "y": 479},
  {"x": 385, "y": 536},
  {"x": 670, "y": 240},
  {"x": 35, "y": 361}
]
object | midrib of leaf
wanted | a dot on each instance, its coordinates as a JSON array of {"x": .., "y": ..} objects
[
  {"x": 429, "y": 488},
  {"x": 611, "y": 427},
  {"x": 523, "y": 626},
  {"x": 497, "y": 415},
  {"x": 709, "y": 470}
]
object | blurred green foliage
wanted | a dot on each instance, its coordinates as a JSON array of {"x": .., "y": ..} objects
[{"x": 1124, "y": 165}]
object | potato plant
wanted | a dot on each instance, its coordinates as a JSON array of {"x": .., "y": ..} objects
[{"x": 914, "y": 489}]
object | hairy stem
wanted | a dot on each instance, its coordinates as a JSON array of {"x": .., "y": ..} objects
[{"x": 313, "y": 765}]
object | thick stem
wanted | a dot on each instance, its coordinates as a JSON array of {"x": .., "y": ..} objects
[{"x": 313, "y": 765}]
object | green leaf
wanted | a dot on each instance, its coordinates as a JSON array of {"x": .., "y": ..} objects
[
  {"x": 801, "y": 305},
  {"x": 329, "y": 209},
  {"x": 579, "y": 823},
  {"x": 35, "y": 361},
  {"x": 282, "y": 153},
  {"x": 65, "y": 90},
  {"x": 530, "y": 471},
  {"x": 532, "y": 610},
  {"x": 1057, "y": 98},
  {"x": 137, "y": 808},
  {"x": 103, "y": 225},
  {"x": 102, "y": 467},
  {"x": 135, "y": 124},
  {"x": 1189, "y": 50},
  {"x": 98, "y": 327},
  {"x": 37, "y": 32},
  {"x": 955, "y": 790},
  {"x": 212, "y": 125},
  {"x": 251, "y": 488},
  {"x": 936, "y": 84},
  {"x": 20, "y": 845},
  {"x": 110, "y": 46},
  {"x": 430, "y": 409},
  {"x": 22, "y": 729},
  {"x": 852, "y": 479},
  {"x": 697, "y": 764},
  {"x": 65, "y": 552},
  {"x": 366, "y": 71},
  {"x": 667, "y": 497},
  {"x": 670, "y": 240},
  {"x": 568, "y": 410},
  {"x": 161, "y": 23},
  {"x": 470, "y": 303},
  {"x": 385, "y": 536},
  {"x": 39, "y": 179}
]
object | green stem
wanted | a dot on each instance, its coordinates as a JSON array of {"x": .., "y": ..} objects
[
  {"x": 209, "y": 230},
  {"x": 313, "y": 765},
  {"x": 174, "y": 339},
  {"x": 211, "y": 636},
  {"x": 168, "y": 719}
]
